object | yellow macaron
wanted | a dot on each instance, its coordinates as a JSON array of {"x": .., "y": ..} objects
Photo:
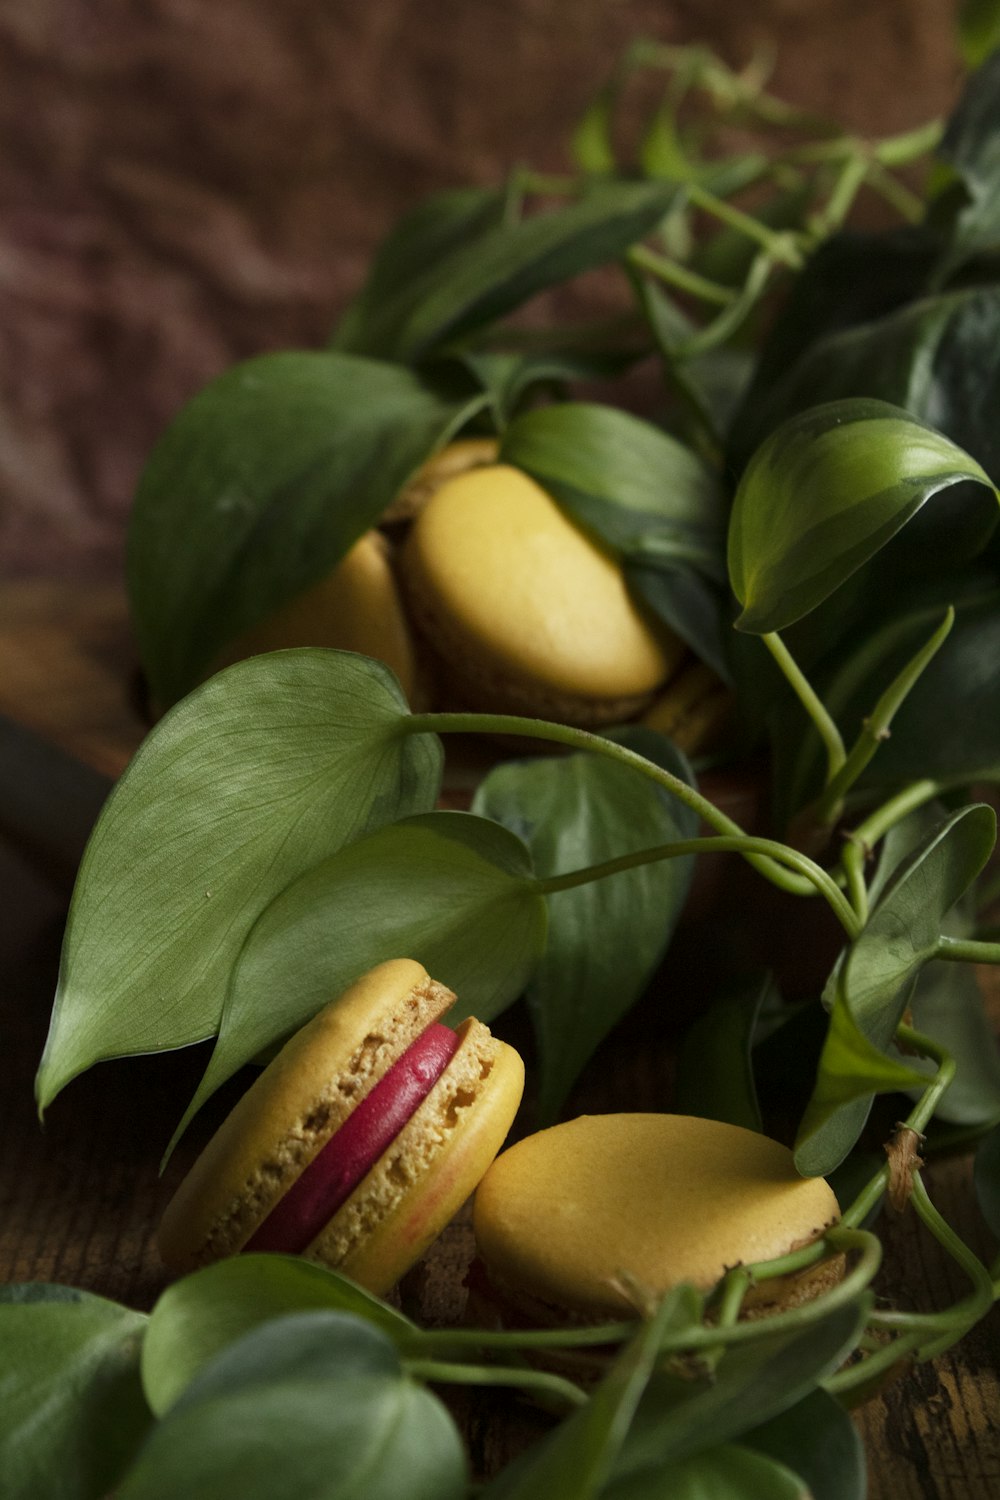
[
  {"x": 569, "y": 1222},
  {"x": 355, "y": 607},
  {"x": 359, "y": 1142},
  {"x": 525, "y": 612}
]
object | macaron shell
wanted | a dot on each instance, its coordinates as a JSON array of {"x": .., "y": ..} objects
[
  {"x": 565, "y": 1214},
  {"x": 356, "y": 607},
  {"x": 501, "y": 580},
  {"x": 456, "y": 458},
  {"x": 433, "y": 1167},
  {"x": 293, "y": 1108}
]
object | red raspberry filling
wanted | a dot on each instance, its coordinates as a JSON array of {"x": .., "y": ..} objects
[{"x": 353, "y": 1150}]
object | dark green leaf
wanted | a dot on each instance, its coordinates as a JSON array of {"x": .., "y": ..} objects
[
  {"x": 978, "y": 30},
  {"x": 480, "y": 279},
  {"x": 851, "y": 278},
  {"x": 825, "y": 491},
  {"x": 932, "y": 357},
  {"x": 949, "y": 727},
  {"x": 605, "y": 937},
  {"x": 254, "y": 778},
  {"x": 730, "y": 1472},
  {"x": 714, "y": 1072},
  {"x": 202, "y": 1314},
  {"x": 969, "y": 202},
  {"x": 754, "y": 1382},
  {"x": 872, "y": 983},
  {"x": 948, "y": 1006},
  {"x": 650, "y": 500},
  {"x": 816, "y": 1439},
  {"x": 438, "y": 225},
  {"x": 987, "y": 1179},
  {"x": 453, "y": 891},
  {"x": 71, "y": 1408},
  {"x": 259, "y": 487},
  {"x": 307, "y": 1404}
]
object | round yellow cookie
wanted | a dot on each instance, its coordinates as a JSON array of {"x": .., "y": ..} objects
[
  {"x": 570, "y": 1222},
  {"x": 526, "y": 613}
]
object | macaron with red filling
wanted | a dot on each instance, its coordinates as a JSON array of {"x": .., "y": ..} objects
[{"x": 359, "y": 1142}]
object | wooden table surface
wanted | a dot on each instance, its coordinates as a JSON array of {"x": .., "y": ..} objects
[{"x": 79, "y": 1199}]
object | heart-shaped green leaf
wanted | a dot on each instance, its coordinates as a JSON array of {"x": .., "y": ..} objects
[
  {"x": 647, "y": 498},
  {"x": 482, "y": 278},
  {"x": 605, "y": 937},
  {"x": 258, "y": 775},
  {"x": 72, "y": 1412},
  {"x": 871, "y": 985},
  {"x": 311, "y": 1403},
  {"x": 203, "y": 1313},
  {"x": 453, "y": 891},
  {"x": 822, "y": 495},
  {"x": 259, "y": 486}
]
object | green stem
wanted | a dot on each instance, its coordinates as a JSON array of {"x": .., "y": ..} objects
[
  {"x": 878, "y": 823},
  {"x": 448, "y": 1341},
  {"x": 808, "y": 697},
  {"x": 940, "y": 1329},
  {"x": 585, "y": 739},
  {"x": 853, "y": 862},
  {"x": 918, "y": 1118},
  {"x": 745, "y": 844},
  {"x": 841, "y": 1239},
  {"x": 679, "y": 276},
  {"x": 780, "y": 245},
  {"x": 967, "y": 950},
  {"x": 850, "y": 179},
  {"x": 538, "y": 1382}
]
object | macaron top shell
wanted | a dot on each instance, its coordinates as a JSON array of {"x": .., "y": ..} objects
[
  {"x": 567, "y": 1218},
  {"x": 292, "y": 1109},
  {"x": 500, "y": 578}
]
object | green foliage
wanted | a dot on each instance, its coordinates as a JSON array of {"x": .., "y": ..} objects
[
  {"x": 605, "y": 937},
  {"x": 871, "y": 984},
  {"x": 822, "y": 495},
  {"x": 453, "y": 891},
  {"x": 247, "y": 783},
  {"x": 258, "y": 487},
  {"x": 72, "y": 1407},
  {"x": 314, "y": 1402}
]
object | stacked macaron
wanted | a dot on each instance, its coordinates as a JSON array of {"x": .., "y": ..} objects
[{"x": 359, "y": 1142}]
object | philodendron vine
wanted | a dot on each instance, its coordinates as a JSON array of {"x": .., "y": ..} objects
[{"x": 280, "y": 822}]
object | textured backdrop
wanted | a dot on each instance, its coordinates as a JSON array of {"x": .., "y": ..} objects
[{"x": 183, "y": 184}]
